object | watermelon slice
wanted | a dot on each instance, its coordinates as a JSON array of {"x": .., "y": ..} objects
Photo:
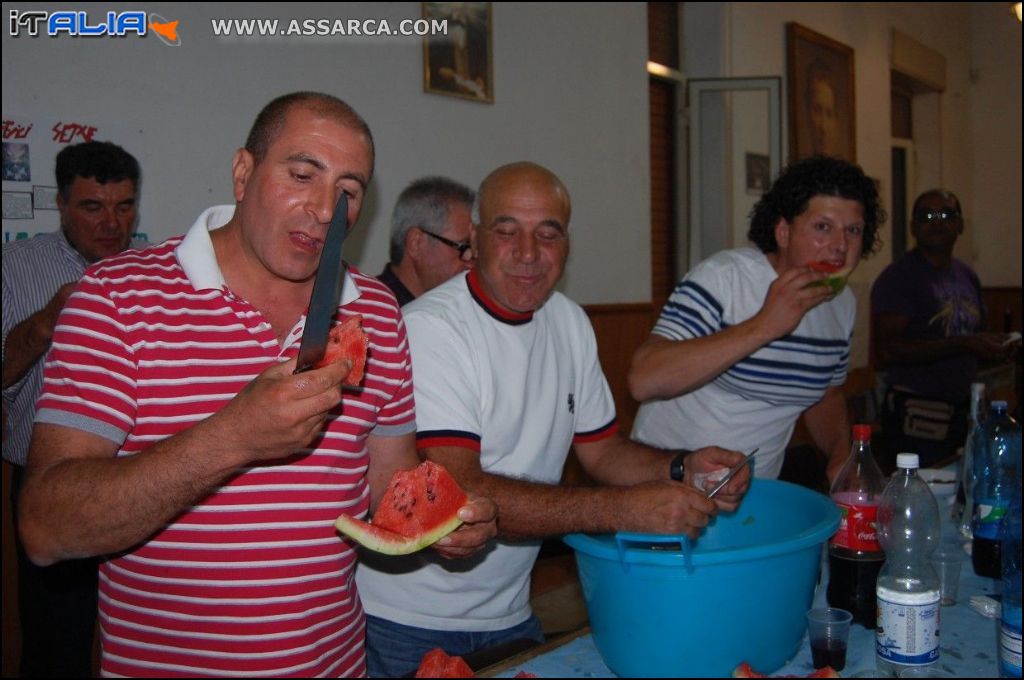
[
  {"x": 745, "y": 670},
  {"x": 419, "y": 508},
  {"x": 837, "y": 275},
  {"x": 437, "y": 664},
  {"x": 348, "y": 341}
]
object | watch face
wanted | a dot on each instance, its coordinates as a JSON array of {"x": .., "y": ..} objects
[{"x": 677, "y": 469}]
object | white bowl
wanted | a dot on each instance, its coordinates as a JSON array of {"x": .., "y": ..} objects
[{"x": 941, "y": 482}]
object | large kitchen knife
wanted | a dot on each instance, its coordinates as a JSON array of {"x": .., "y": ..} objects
[{"x": 323, "y": 302}]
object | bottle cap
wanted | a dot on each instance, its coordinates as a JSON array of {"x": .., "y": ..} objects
[
  {"x": 999, "y": 405},
  {"x": 862, "y": 433},
  {"x": 907, "y": 460}
]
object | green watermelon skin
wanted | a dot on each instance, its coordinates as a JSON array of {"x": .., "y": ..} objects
[
  {"x": 836, "y": 279},
  {"x": 419, "y": 508},
  {"x": 387, "y": 542}
]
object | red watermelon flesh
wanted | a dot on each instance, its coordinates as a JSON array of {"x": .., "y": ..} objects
[
  {"x": 745, "y": 670},
  {"x": 437, "y": 664},
  {"x": 419, "y": 508},
  {"x": 837, "y": 274},
  {"x": 348, "y": 341}
]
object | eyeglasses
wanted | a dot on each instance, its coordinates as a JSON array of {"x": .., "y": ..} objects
[
  {"x": 944, "y": 215},
  {"x": 465, "y": 249}
]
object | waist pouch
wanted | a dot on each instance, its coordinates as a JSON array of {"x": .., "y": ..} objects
[{"x": 921, "y": 417}]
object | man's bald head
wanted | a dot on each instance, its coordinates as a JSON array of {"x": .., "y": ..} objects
[{"x": 523, "y": 173}]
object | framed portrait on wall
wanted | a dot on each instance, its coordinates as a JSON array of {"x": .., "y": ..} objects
[
  {"x": 458, "y": 63},
  {"x": 759, "y": 174},
  {"x": 819, "y": 71}
]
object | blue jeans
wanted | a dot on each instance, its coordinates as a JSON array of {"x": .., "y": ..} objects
[{"x": 394, "y": 650}]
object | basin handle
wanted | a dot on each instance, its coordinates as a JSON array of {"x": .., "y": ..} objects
[{"x": 623, "y": 540}]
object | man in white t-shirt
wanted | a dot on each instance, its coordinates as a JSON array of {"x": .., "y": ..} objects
[
  {"x": 507, "y": 380},
  {"x": 746, "y": 342}
]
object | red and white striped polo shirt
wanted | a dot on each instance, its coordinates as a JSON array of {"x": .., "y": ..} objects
[{"x": 254, "y": 580}]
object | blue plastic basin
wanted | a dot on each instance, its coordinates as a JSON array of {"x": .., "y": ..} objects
[{"x": 739, "y": 595}]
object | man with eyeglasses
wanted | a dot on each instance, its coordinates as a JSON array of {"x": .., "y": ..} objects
[
  {"x": 507, "y": 380},
  {"x": 927, "y": 312},
  {"x": 429, "y": 237}
]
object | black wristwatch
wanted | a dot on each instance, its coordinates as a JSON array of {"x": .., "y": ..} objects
[{"x": 677, "y": 469}]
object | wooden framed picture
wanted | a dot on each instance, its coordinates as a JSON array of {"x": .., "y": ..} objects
[
  {"x": 759, "y": 175},
  {"x": 457, "y": 62},
  {"x": 819, "y": 72}
]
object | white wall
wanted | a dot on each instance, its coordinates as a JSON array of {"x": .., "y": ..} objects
[
  {"x": 995, "y": 102},
  {"x": 570, "y": 93}
]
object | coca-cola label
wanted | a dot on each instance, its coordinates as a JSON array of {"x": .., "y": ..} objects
[{"x": 857, "y": 528}]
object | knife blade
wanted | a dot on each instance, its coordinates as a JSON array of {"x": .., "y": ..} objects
[
  {"x": 732, "y": 473},
  {"x": 323, "y": 301}
]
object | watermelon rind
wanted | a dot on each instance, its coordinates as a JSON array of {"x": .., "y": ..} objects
[
  {"x": 387, "y": 542},
  {"x": 419, "y": 507},
  {"x": 836, "y": 281}
]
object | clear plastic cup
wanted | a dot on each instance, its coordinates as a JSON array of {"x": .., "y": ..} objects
[
  {"x": 929, "y": 671},
  {"x": 947, "y": 565},
  {"x": 828, "y": 630}
]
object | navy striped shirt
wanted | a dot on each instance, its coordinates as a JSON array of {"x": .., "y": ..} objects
[{"x": 755, "y": 403}]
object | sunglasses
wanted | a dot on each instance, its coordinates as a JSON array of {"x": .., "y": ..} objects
[
  {"x": 944, "y": 215},
  {"x": 465, "y": 252}
]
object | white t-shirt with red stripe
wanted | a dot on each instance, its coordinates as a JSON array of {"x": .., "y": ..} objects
[
  {"x": 520, "y": 389},
  {"x": 254, "y": 580}
]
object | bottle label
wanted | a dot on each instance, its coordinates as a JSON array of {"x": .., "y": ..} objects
[
  {"x": 1010, "y": 644},
  {"x": 988, "y": 513},
  {"x": 908, "y": 627},
  {"x": 857, "y": 528}
]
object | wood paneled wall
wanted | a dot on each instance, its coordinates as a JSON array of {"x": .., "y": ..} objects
[
  {"x": 1004, "y": 309},
  {"x": 620, "y": 329}
]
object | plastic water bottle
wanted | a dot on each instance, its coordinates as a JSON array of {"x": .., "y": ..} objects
[
  {"x": 1009, "y": 630},
  {"x": 975, "y": 437},
  {"x": 997, "y": 467},
  {"x": 908, "y": 590},
  {"x": 854, "y": 556}
]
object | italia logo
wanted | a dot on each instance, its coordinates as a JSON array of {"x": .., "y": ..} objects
[{"x": 80, "y": 24}]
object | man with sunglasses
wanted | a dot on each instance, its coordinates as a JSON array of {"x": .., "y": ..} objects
[
  {"x": 927, "y": 312},
  {"x": 429, "y": 237}
]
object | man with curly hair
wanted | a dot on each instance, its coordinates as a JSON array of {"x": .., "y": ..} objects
[{"x": 747, "y": 341}]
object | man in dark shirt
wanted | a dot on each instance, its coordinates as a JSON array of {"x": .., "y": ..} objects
[
  {"x": 429, "y": 237},
  {"x": 927, "y": 318}
]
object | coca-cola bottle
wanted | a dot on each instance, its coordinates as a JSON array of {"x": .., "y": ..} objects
[{"x": 854, "y": 555}]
